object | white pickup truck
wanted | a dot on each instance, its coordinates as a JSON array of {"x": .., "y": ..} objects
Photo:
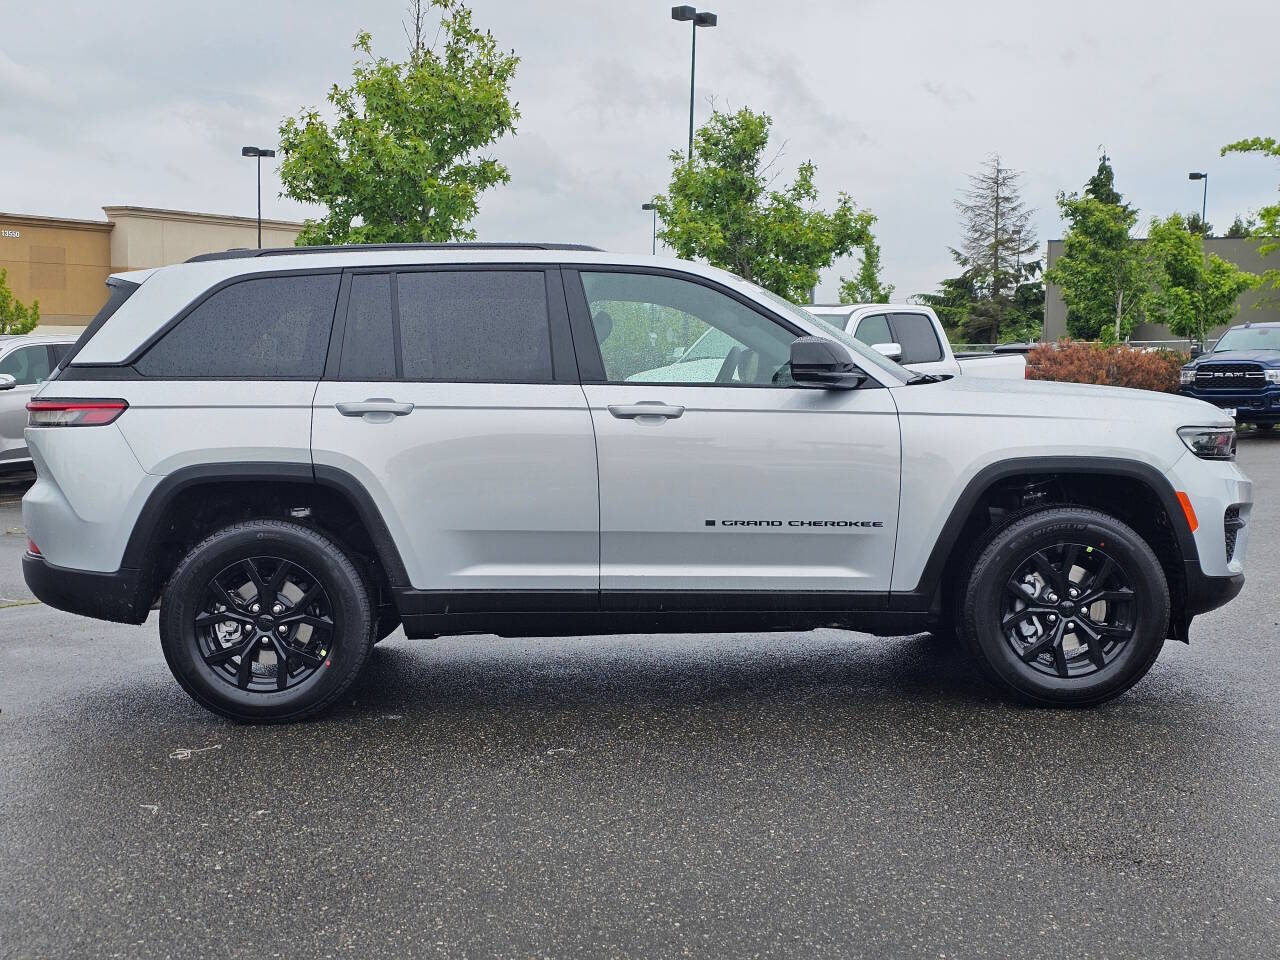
[{"x": 914, "y": 337}]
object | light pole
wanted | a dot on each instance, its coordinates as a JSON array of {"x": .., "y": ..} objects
[
  {"x": 259, "y": 153},
  {"x": 654, "y": 208},
  {"x": 704, "y": 19},
  {"x": 1204, "y": 232},
  {"x": 1204, "y": 197}
]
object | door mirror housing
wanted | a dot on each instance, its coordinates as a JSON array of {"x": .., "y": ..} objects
[
  {"x": 891, "y": 350},
  {"x": 824, "y": 364},
  {"x": 7, "y": 382}
]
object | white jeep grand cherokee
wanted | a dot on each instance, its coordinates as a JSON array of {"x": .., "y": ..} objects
[{"x": 294, "y": 451}]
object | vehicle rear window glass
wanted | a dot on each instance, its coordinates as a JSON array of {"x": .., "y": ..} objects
[
  {"x": 27, "y": 365},
  {"x": 874, "y": 329},
  {"x": 261, "y": 329},
  {"x": 914, "y": 333},
  {"x": 368, "y": 342},
  {"x": 475, "y": 326}
]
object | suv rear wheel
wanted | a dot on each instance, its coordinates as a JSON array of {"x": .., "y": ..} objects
[
  {"x": 1066, "y": 607},
  {"x": 266, "y": 621}
]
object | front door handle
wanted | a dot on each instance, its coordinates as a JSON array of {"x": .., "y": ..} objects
[
  {"x": 646, "y": 408},
  {"x": 375, "y": 405}
]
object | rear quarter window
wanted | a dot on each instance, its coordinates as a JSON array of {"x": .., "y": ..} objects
[{"x": 263, "y": 328}]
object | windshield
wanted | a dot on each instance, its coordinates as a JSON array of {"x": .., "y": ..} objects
[
  {"x": 1249, "y": 338},
  {"x": 856, "y": 347}
]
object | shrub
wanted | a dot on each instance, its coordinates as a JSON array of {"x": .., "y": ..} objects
[{"x": 1078, "y": 361}]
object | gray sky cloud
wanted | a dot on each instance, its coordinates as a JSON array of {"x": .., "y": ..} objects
[{"x": 149, "y": 102}]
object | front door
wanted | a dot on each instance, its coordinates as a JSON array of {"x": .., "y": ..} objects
[
  {"x": 453, "y": 400},
  {"x": 716, "y": 472}
]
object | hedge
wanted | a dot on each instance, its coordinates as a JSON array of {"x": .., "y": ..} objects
[{"x": 1077, "y": 361}]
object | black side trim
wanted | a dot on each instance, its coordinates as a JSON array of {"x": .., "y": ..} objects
[
  {"x": 117, "y": 596},
  {"x": 371, "y": 517},
  {"x": 922, "y": 595}
]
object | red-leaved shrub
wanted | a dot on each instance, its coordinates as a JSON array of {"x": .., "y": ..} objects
[{"x": 1076, "y": 361}]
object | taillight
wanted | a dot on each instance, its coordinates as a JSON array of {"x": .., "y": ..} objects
[
  {"x": 32, "y": 548},
  {"x": 74, "y": 413}
]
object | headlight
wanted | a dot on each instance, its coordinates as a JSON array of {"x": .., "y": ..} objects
[
  {"x": 1273, "y": 376},
  {"x": 1189, "y": 375},
  {"x": 1210, "y": 443}
]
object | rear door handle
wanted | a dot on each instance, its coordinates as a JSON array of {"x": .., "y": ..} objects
[
  {"x": 646, "y": 408},
  {"x": 375, "y": 405}
]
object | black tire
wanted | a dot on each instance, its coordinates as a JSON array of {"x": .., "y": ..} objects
[
  {"x": 323, "y": 613},
  {"x": 1112, "y": 641}
]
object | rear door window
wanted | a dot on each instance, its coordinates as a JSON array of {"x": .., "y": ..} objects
[
  {"x": 266, "y": 328},
  {"x": 915, "y": 334},
  {"x": 474, "y": 326},
  {"x": 368, "y": 340}
]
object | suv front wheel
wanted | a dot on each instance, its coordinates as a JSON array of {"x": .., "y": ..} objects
[
  {"x": 266, "y": 621},
  {"x": 1067, "y": 606}
]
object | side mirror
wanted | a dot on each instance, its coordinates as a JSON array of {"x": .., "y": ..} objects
[
  {"x": 891, "y": 350},
  {"x": 1196, "y": 350},
  {"x": 819, "y": 362},
  {"x": 7, "y": 382}
]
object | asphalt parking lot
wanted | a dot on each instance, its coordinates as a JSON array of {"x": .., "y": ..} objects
[{"x": 811, "y": 795}]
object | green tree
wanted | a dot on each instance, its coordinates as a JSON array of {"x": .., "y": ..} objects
[
  {"x": 1240, "y": 228},
  {"x": 401, "y": 162},
  {"x": 719, "y": 207},
  {"x": 1199, "y": 227},
  {"x": 1101, "y": 272},
  {"x": 1189, "y": 292},
  {"x": 866, "y": 286},
  {"x": 1268, "y": 226},
  {"x": 15, "y": 316},
  {"x": 953, "y": 300}
]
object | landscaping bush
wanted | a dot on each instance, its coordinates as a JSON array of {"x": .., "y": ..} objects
[{"x": 1077, "y": 361}]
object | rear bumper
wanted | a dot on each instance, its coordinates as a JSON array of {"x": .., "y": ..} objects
[{"x": 117, "y": 596}]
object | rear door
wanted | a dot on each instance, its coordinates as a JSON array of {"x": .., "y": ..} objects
[
  {"x": 452, "y": 397},
  {"x": 718, "y": 475}
]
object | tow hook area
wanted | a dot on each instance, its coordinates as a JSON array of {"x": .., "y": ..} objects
[{"x": 1180, "y": 627}]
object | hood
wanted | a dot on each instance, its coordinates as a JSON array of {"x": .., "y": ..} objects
[
  {"x": 1047, "y": 399},
  {"x": 1268, "y": 358}
]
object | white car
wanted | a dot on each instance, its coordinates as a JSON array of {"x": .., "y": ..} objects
[
  {"x": 25, "y": 362},
  {"x": 914, "y": 337},
  {"x": 293, "y": 451}
]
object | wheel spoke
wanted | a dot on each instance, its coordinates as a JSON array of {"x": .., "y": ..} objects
[
  {"x": 251, "y": 569},
  {"x": 1093, "y": 640},
  {"x": 245, "y": 673},
  {"x": 309, "y": 660},
  {"x": 1069, "y": 553},
  {"x": 225, "y": 598},
  {"x": 319, "y": 623},
  {"x": 308, "y": 598},
  {"x": 273, "y": 585},
  {"x": 1026, "y": 612},
  {"x": 1051, "y": 575},
  {"x": 219, "y": 657},
  {"x": 1050, "y": 639},
  {"x": 1111, "y": 630},
  {"x": 1059, "y": 655},
  {"x": 282, "y": 663},
  {"x": 1110, "y": 596},
  {"x": 222, "y": 616},
  {"x": 1022, "y": 591}
]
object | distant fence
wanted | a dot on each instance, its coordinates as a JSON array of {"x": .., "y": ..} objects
[{"x": 1180, "y": 345}]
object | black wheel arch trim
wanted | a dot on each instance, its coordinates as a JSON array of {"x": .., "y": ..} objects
[
  {"x": 922, "y": 596},
  {"x": 137, "y": 553}
]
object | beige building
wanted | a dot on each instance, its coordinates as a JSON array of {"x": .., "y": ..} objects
[{"x": 64, "y": 263}]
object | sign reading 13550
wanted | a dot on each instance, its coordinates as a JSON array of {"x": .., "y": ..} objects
[{"x": 11, "y": 234}]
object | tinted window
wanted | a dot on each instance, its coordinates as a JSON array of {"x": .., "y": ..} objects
[
  {"x": 477, "y": 326},
  {"x": 27, "y": 365},
  {"x": 368, "y": 344},
  {"x": 252, "y": 330},
  {"x": 874, "y": 329},
  {"x": 656, "y": 329},
  {"x": 914, "y": 333}
]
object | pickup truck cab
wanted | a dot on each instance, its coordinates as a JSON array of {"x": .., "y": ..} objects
[
  {"x": 1241, "y": 374},
  {"x": 913, "y": 336},
  {"x": 293, "y": 452}
]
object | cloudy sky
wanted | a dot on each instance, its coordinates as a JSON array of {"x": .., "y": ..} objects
[{"x": 148, "y": 103}]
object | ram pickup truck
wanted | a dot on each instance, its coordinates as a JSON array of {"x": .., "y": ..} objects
[
  {"x": 294, "y": 452},
  {"x": 1241, "y": 374},
  {"x": 913, "y": 336}
]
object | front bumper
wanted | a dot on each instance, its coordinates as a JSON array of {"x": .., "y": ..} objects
[
  {"x": 118, "y": 596},
  {"x": 1251, "y": 406},
  {"x": 1205, "y": 593}
]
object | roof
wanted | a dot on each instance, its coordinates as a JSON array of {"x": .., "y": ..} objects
[
  {"x": 8, "y": 338},
  {"x": 243, "y": 253}
]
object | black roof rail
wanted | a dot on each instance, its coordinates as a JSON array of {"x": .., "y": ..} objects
[{"x": 246, "y": 252}]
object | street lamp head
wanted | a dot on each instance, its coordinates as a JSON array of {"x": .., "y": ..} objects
[
  {"x": 684, "y": 12},
  {"x": 705, "y": 20},
  {"x": 1197, "y": 176},
  {"x": 256, "y": 152},
  {"x": 648, "y": 206}
]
